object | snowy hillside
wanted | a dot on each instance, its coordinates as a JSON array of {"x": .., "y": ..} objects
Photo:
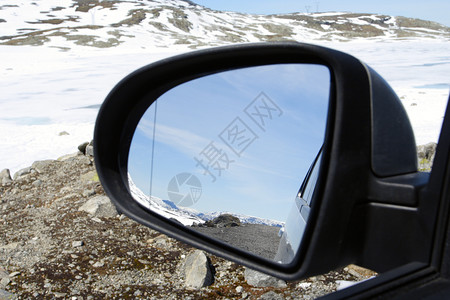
[
  {"x": 163, "y": 207},
  {"x": 161, "y": 23}
]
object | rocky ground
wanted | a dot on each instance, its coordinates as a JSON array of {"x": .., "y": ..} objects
[
  {"x": 425, "y": 156},
  {"x": 259, "y": 239},
  {"x": 60, "y": 237}
]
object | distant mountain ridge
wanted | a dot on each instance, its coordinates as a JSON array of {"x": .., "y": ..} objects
[
  {"x": 160, "y": 23},
  {"x": 186, "y": 215}
]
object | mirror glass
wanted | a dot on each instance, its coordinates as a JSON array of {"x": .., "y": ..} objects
[{"x": 235, "y": 155}]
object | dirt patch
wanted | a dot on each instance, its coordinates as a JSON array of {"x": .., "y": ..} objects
[
  {"x": 7, "y": 5},
  {"x": 180, "y": 19},
  {"x": 55, "y": 21},
  {"x": 86, "y": 5},
  {"x": 136, "y": 17},
  {"x": 38, "y": 38}
]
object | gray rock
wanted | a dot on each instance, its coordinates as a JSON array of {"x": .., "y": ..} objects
[
  {"x": 197, "y": 270},
  {"x": 4, "y": 283},
  {"x": 4, "y": 295},
  {"x": 41, "y": 165},
  {"x": 82, "y": 147},
  {"x": 259, "y": 279},
  {"x": 4, "y": 278},
  {"x": 22, "y": 172},
  {"x": 59, "y": 295},
  {"x": 90, "y": 149},
  {"x": 5, "y": 176},
  {"x": 224, "y": 220},
  {"x": 76, "y": 244},
  {"x": 99, "y": 206},
  {"x": 161, "y": 241},
  {"x": 271, "y": 296},
  {"x": 14, "y": 274},
  {"x": 37, "y": 183},
  {"x": 3, "y": 273},
  {"x": 426, "y": 151},
  {"x": 98, "y": 264},
  {"x": 425, "y": 155}
]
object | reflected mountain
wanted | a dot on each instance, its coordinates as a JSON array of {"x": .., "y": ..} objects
[{"x": 189, "y": 216}]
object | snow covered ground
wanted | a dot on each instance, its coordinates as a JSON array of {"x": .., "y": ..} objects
[
  {"x": 45, "y": 92},
  {"x": 418, "y": 70}
]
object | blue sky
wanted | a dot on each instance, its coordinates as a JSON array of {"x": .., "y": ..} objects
[
  {"x": 263, "y": 166},
  {"x": 438, "y": 11}
]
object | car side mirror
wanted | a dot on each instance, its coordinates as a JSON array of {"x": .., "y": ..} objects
[
  {"x": 270, "y": 155},
  {"x": 225, "y": 154}
]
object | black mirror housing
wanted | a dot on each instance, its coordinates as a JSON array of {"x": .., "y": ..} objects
[
  {"x": 368, "y": 161},
  {"x": 394, "y": 146}
]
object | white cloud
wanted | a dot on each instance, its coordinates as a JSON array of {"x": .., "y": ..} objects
[{"x": 183, "y": 140}]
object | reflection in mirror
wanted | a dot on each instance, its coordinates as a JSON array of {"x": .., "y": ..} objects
[{"x": 235, "y": 155}]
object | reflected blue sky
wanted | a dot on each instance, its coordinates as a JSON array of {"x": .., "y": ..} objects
[{"x": 249, "y": 136}]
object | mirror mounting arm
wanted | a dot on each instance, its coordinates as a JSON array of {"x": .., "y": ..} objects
[{"x": 402, "y": 190}]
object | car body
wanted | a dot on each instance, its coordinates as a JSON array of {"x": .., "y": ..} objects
[{"x": 292, "y": 232}]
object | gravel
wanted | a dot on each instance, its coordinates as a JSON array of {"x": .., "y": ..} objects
[
  {"x": 49, "y": 249},
  {"x": 248, "y": 237}
]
